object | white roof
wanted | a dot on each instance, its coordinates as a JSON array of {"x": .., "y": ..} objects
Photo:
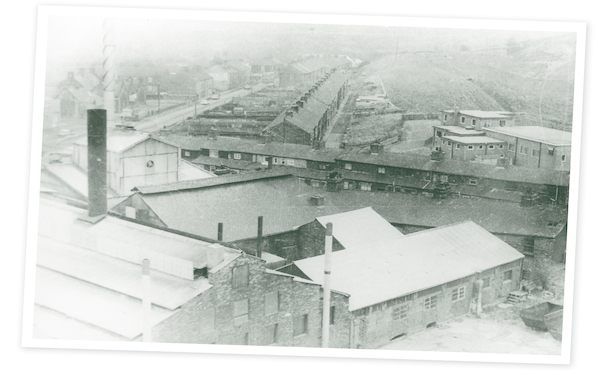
[
  {"x": 389, "y": 269},
  {"x": 360, "y": 227},
  {"x": 120, "y": 140},
  {"x": 535, "y": 133},
  {"x": 189, "y": 171}
]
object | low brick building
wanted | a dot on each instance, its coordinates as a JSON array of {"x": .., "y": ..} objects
[{"x": 404, "y": 285}]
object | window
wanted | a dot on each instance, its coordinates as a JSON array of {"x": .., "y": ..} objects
[
  {"x": 239, "y": 277},
  {"x": 508, "y": 275},
  {"x": 502, "y": 123},
  {"x": 271, "y": 334},
  {"x": 491, "y": 146},
  {"x": 400, "y": 312},
  {"x": 488, "y": 123},
  {"x": 481, "y": 147},
  {"x": 457, "y": 146},
  {"x": 131, "y": 212},
  {"x": 443, "y": 142},
  {"x": 458, "y": 293},
  {"x": 240, "y": 312},
  {"x": 551, "y": 151},
  {"x": 535, "y": 152},
  {"x": 301, "y": 324},
  {"x": 381, "y": 170},
  {"x": 322, "y": 167},
  {"x": 365, "y": 186},
  {"x": 290, "y": 162},
  {"x": 474, "y": 122},
  {"x": 500, "y": 146},
  {"x": 511, "y": 147},
  {"x": 271, "y": 303},
  {"x": 443, "y": 178},
  {"x": 346, "y": 185},
  {"x": 445, "y": 117},
  {"x": 314, "y": 183},
  {"x": 472, "y": 181},
  {"x": 462, "y": 119},
  {"x": 430, "y": 302},
  {"x": 486, "y": 282},
  {"x": 439, "y": 133},
  {"x": 562, "y": 157},
  {"x": 471, "y": 147},
  {"x": 523, "y": 150},
  {"x": 237, "y": 156},
  {"x": 449, "y": 143},
  {"x": 348, "y": 166},
  {"x": 187, "y": 154}
]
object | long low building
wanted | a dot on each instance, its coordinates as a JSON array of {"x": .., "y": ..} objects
[
  {"x": 403, "y": 285},
  {"x": 287, "y": 202}
]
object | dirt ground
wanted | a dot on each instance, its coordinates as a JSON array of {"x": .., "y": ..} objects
[{"x": 487, "y": 334}]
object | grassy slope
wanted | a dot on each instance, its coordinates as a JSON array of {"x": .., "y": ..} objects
[{"x": 537, "y": 80}]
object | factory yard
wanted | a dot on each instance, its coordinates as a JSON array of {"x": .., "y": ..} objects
[{"x": 499, "y": 330}]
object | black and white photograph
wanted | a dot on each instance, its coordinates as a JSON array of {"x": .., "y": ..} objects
[{"x": 304, "y": 185}]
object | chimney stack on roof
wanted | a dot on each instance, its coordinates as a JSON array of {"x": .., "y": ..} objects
[
  {"x": 295, "y": 108},
  {"x": 97, "y": 164}
]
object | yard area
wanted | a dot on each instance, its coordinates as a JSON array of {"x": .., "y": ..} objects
[
  {"x": 364, "y": 130},
  {"x": 414, "y": 135},
  {"x": 499, "y": 330}
]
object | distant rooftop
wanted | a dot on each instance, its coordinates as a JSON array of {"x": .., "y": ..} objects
[
  {"x": 388, "y": 269},
  {"x": 474, "y": 140},
  {"x": 483, "y": 114},
  {"x": 359, "y": 227},
  {"x": 284, "y": 202},
  {"x": 460, "y": 130},
  {"x": 540, "y": 134}
]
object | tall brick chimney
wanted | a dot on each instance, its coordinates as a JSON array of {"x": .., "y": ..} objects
[{"x": 97, "y": 163}]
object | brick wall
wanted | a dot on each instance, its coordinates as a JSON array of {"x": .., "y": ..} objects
[
  {"x": 311, "y": 240},
  {"x": 378, "y": 324},
  {"x": 209, "y": 318}
]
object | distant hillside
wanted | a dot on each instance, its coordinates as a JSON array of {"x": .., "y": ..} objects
[{"x": 535, "y": 77}]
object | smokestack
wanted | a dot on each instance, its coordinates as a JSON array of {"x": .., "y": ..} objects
[
  {"x": 259, "y": 239},
  {"x": 325, "y": 330},
  {"x": 220, "y": 232},
  {"x": 146, "y": 297},
  {"x": 97, "y": 162}
]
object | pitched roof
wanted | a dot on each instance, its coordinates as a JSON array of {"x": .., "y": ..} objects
[
  {"x": 284, "y": 202},
  {"x": 540, "y": 134},
  {"x": 297, "y": 151},
  {"x": 210, "y": 182},
  {"x": 459, "y": 167},
  {"x": 393, "y": 268},
  {"x": 90, "y": 273},
  {"x": 359, "y": 227},
  {"x": 120, "y": 140}
]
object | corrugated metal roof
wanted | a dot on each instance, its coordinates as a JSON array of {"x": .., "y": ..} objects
[
  {"x": 89, "y": 303},
  {"x": 359, "y": 227},
  {"x": 474, "y": 140},
  {"x": 50, "y": 324},
  {"x": 121, "y": 276},
  {"x": 285, "y": 203},
  {"x": 535, "y": 133},
  {"x": 411, "y": 263},
  {"x": 74, "y": 177}
]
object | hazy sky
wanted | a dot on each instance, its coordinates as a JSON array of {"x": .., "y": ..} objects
[{"x": 78, "y": 41}]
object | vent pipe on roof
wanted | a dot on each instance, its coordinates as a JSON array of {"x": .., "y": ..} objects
[
  {"x": 295, "y": 108},
  {"x": 259, "y": 238},
  {"x": 146, "y": 298},
  {"x": 97, "y": 164},
  {"x": 325, "y": 330},
  {"x": 300, "y": 104},
  {"x": 220, "y": 232}
]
